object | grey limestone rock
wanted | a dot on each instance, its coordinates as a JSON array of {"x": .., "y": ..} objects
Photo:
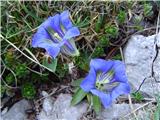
[
  {"x": 142, "y": 58},
  {"x": 62, "y": 110},
  {"x": 17, "y": 111}
]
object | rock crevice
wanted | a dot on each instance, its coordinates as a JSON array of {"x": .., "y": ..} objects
[{"x": 142, "y": 63}]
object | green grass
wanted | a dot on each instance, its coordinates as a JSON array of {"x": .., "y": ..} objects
[{"x": 156, "y": 114}]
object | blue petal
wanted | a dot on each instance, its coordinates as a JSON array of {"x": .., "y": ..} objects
[
  {"x": 105, "y": 98},
  {"x": 122, "y": 88},
  {"x": 39, "y": 36},
  {"x": 89, "y": 82},
  {"x": 54, "y": 23},
  {"x": 119, "y": 71},
  {"x": 69, "y": 48},
  {"x": 101, "y": 65},
  {"x": 73, "y": 32},
  {"x": 65, "y": 20},
  {"x": 69, "y": 45},
  {"x": 51, "y": 48},
  {"x": 53, "y": 51}
]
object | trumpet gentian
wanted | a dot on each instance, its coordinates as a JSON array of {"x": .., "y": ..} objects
[
  {"x": 107, "y": 80},
  {"x": 56, "y": 35}
]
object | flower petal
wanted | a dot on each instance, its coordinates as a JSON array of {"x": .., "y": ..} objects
[
  {"x": 105, "y": 98},
  {"x": 119, "y": 71},
  {"x": 54, "y": 23},
  {"x": 73, "y": 32},
  {"x": 51, "y": 48},
  {"x": 65, "y": 20},
  {"x": 122, "y": 88},
  {"x": 53, "y": 51},
  {"x": 101, "y": 65},
  {"x": 69, "y": 48},
  {"x": 89, "y": 82},
  {"x": 39, "y": 36},
  {"x": 69, "y": 45}
]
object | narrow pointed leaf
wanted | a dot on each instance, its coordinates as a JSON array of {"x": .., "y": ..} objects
[
  {"x": 96, "y": 104},
  {"x": 50, "y": 64},
  {"x": 76, "y": 82},
  {"x": 89, "y": 98},
  {"x": 78, "y": 96}
]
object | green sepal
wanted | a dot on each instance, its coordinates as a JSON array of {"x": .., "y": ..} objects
[
  {"x": 78, "y": 96},
  {"x": 52, "y": 64},
  {"x": 96, "y": 104}
]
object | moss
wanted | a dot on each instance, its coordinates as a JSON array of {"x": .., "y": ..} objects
[
  {"x": 99, "y": 51},
  {"x": 28, "y": 91},
  {"x": 137, "y": 96},
  {"x": 21, "y": 70},
  {"x": 121, "y": 17},
  {"x": 10, "y": 79},
  {"x": 111, "y": 31}
]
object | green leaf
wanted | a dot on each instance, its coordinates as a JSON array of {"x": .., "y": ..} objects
[
  {"x": 137, "y": 96},
  {"x": 76, "y": 89},
  {"x": 50, "y": 64},
  {"x": 89, "y": 98},
  {"x": 99, "y": 23},
  {"x": 78, "y": 96},
  {"x": 31, "y": 13},
  {"x": 82, "y": 23},
  {"x": 77, "y": 82},
  {"x": 96, "y": 104},
  {"x": 157, "y": 111},
  {"x": 121, "y": 17},
  {"x": 157, "y": 115}
]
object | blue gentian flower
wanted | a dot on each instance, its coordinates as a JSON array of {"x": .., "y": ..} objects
[
  {"x": 107, "y": 80},
  {"x": 56, "y": 35}
]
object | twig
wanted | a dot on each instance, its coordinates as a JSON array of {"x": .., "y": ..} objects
[
  {"x": 8, "y": 85},
  {"x": 28, "y": 56},
  {"x": 39, "y": 73},
  {"x": 53, "y": 92},
  {"x": 140, "y": 108},
  {"x": 158, "y": 23},
  {"x": 31, "y": 54},
  {"x": 125, "y": 40},
  {"x": 11, "y": 72},
  {"x": 121, "y": 51},
  {"x": 131, "y": 106}
]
